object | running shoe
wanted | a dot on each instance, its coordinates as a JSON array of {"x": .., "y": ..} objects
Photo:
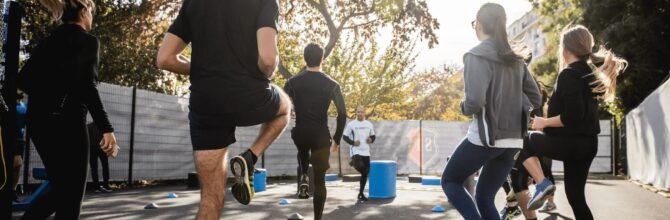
[
  {"x": 303, "y": 191},
  {"x": 542, "y": 192},
  {"x": 549, "y": 206},
  {"x": 509, "y": 213},
  {"x": 362, "y": 198},
  {"x": 242, "y": 168}
]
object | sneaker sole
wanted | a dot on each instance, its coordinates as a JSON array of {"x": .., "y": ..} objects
[
  {"x": 242, "y": 190},
  {"x": 303, "y": 191},
  {"x": 537, "y": 204}
]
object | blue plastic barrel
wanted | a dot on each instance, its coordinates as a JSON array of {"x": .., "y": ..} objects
[
  {"x": 260, "y": 175},
  {"x": 435, "y": 181},
  {"x": 331, "y": 177},
  {"x": 382, "y": 179}
]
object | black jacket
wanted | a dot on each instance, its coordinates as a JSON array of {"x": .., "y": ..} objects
[
  {"x": 574, "y": 101},
  {"x": 65, "y": 64}
]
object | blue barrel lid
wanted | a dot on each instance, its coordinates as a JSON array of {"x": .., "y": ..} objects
[{"x": 383, "y": 162}]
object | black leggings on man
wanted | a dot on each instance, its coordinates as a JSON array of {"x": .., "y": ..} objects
[
  {"x": 62, "y": 143},
  {"x": 362, "y": 165},
  {"x": 577, "y": 153},
  {"x": 313, "y": 147}
]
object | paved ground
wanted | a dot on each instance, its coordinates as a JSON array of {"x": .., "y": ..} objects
[{"x": 609, "y": 199}]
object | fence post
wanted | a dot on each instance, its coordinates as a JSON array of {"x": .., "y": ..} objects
[
  {"x": 339, "y": 160},
  {"x": 613, "y": 145},
  {"x": 420, "y": 147},
  {"x": 131, "y": 148},
  {"x": 26, "y": 159}
]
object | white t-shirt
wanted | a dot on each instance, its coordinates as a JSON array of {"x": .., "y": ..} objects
[
  {"x": 359, "y": 131},
  {"x": 474, "y": 138}
]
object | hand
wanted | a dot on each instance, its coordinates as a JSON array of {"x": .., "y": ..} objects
[
  {"x": 369, "y": 140},
  {"x": 539, "y": 123},
  {"x": 18, "y": 161},
  {"x": 108, "y": 143},
  {"x": 357, "y": 143},
  {"x": 334, "y": 147}
]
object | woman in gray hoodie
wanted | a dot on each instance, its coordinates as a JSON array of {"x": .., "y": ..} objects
[{"x": 496, "y": 81}]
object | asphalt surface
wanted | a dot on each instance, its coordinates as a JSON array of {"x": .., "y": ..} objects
[{"x": 608, "y": 199}]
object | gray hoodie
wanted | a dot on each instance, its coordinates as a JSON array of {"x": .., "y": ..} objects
[{"x": 494, "y": 94}]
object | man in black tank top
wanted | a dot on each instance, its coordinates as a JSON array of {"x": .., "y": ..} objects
[
  {"x": 234, "y": 57},
  {"x": 311, "y": 92}
]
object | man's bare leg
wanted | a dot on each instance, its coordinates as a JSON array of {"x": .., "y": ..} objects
[
  {"x": 272, "y": 129},
  {"x": 212, "y": 173}
]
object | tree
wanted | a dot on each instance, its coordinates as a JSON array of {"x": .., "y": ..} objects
[
  {"x": 129, "y": 32},
  {"x": 556, "y": 15},
  {"x": 639, "y": 31},
  {"x": 327, "y": 22},
  {"x": 374, "y": 78},
  {"x": 437, "y": 94},
  {"x": 635, "y": 30}
]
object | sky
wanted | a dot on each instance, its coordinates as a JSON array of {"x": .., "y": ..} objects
[{"x": 455, "y": 35}]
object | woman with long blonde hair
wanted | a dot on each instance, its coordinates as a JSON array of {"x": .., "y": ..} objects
[
  {"x": 570, "y": 132},
  {"x": 60, "y": 78}
]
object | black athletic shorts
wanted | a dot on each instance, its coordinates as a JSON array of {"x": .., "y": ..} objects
[{"x": 211, "y": 132}]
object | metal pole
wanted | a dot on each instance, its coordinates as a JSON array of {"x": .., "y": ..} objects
[
  {"x": 420, "y": 147},
  {"x": 339, "y": 160},
  {"x": 132, "y": 137},
  {"x": 613, "y": 145},
  {"x": 26, "y": 160}
]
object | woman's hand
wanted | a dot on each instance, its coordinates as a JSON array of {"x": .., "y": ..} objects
[
  {"x": 108, "y": 143},
  {"x": 539, "y": 123}
]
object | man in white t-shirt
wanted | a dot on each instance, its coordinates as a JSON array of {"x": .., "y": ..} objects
[{"x": 359, "y": 134}]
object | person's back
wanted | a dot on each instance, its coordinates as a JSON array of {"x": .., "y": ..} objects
[
  {"x": 500, "y": 105},
  {"x": 52, "y": 72},
  {"x": 312, "y": 93},
  {"x": 225, "y": 52}
]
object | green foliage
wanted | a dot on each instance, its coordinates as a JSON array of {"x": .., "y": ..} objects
[
  {"x": 639, "y": 31},
  {"x": 556, "y": 15},
  {"x": 636, "y": 30},
  {"x": 437, "y": 94},
  {"x": 129, "y": 32}
]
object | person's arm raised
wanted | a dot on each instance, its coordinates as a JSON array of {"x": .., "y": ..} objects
[{"x": 169, "y": 55}]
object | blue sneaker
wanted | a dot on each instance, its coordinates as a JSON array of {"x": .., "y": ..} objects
[{"x": 542, "y": 192}]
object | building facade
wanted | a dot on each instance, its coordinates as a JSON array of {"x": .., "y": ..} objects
[{"x": 528, "y": 31}]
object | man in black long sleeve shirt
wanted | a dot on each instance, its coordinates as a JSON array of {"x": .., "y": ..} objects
[{"x": 311, "y": 92}]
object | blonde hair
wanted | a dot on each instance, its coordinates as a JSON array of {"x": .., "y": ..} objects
[
  {"x": 66, "y": 10},
  {"x": 578, "y": 40}
]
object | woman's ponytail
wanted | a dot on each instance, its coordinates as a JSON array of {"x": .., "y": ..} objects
[
  {"x": 609, "y": 65},
  {"x": 56, "y": 7},
  {"x": 66, "y": 10}
]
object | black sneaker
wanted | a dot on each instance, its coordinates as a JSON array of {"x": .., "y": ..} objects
[
  {"x": 103, "y": 190},
  {"x": 242, "y": 168},
  {"x": 362, "y": 198},
  {"x": 509, "y": 213},
  {"x": 303, "y": 190}
]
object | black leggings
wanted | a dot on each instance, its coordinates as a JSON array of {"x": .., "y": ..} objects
[
  {"x": 62, "y": 144},
  {"x": 362, "y": 165},
  {"x": 318, "y": 145},
  {"x": 577, "y": 153},
  {"x": 97, "y": 153}
]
